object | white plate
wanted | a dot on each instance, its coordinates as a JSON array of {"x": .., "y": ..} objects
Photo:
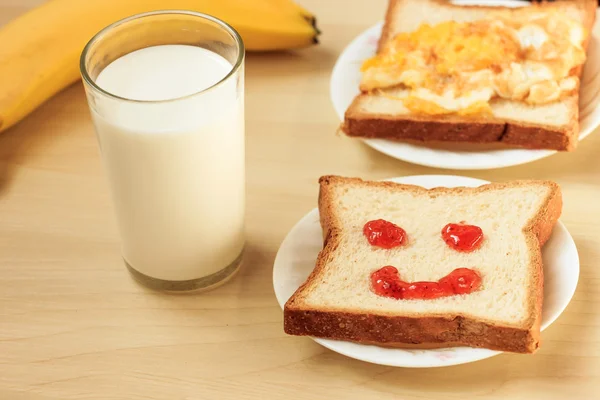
[
  {"x": 298, "y": 252},
  {"x": 344, "y": 87}
]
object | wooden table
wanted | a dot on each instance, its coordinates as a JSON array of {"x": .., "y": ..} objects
[{"x": 73, "y": 325}]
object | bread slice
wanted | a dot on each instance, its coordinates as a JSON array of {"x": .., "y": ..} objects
[
  {"x": 337, "y": 301},
  {"x": 512, "y": 123}
]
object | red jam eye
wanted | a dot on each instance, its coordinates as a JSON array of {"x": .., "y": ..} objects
[
  {"x": 462, "y": 237},
  {"x": 384, "y": 234},
  {"x": 386, "y": 282}
]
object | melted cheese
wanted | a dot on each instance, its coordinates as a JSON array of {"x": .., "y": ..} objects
[{"x": 458, "y": 67}]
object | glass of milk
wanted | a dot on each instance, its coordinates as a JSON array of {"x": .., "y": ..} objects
[{"x": 166, "y": 95}]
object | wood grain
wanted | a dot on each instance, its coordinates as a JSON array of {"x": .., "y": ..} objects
[{"x": 73, "y": 325}]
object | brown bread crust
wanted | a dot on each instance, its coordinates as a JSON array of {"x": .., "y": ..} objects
[
  {"x": 465, "y": 131},
  {"x": 396, "y": 331},
  {"x": 428, "y": 331}
]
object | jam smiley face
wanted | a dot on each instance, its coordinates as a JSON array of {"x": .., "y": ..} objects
[{"x": 386, "y": 281}]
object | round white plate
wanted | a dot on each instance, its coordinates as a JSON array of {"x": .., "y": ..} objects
[
  {"x": 346, "y": 78},
  {"x": 297, "y": 255}
]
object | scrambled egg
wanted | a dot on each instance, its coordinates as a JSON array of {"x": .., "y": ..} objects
[{"x": 458, "y": 67}]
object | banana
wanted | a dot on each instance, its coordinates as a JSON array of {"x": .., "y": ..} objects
[
  {"x": 291, "y": 8},
  {"x": 287, "y": 6},
  {"x": 39, "y": 51}
]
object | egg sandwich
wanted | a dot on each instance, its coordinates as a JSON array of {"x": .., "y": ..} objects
[{"x": 452, "y": 73}]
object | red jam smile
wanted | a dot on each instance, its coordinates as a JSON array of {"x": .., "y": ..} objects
[
  {"x": 384, "y": 234},
  {"x": 462, "y": 237},
  {"x": 386, "y": 282}
]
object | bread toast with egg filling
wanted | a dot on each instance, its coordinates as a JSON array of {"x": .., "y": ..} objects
[
  {"x": 339, "y": 301},
  {"x": 530, "y": 116}
]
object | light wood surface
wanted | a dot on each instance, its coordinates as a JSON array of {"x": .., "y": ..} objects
[{"x": 73, "y": 325}]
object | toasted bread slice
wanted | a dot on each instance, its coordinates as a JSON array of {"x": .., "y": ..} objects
[
  {"x": 512, "y": 123},
  {"x": 338, "y": 302}
]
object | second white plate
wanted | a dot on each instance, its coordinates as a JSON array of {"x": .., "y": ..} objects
[
  {"x": 344, "y": 87},
  {"x": 296, "y": 258}
]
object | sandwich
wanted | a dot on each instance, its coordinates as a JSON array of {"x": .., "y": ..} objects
[
  {"x": 404, "y": 266},
  {"x": 475, "y": 74}
]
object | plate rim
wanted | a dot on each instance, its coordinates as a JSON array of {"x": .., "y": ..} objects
[{"x": 486, "y": 353}]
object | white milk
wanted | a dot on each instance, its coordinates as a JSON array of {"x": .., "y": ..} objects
[{"x": 176, "y": 168}]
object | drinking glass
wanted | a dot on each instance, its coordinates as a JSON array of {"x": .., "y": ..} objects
[{"x": 175, "y": 166}]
